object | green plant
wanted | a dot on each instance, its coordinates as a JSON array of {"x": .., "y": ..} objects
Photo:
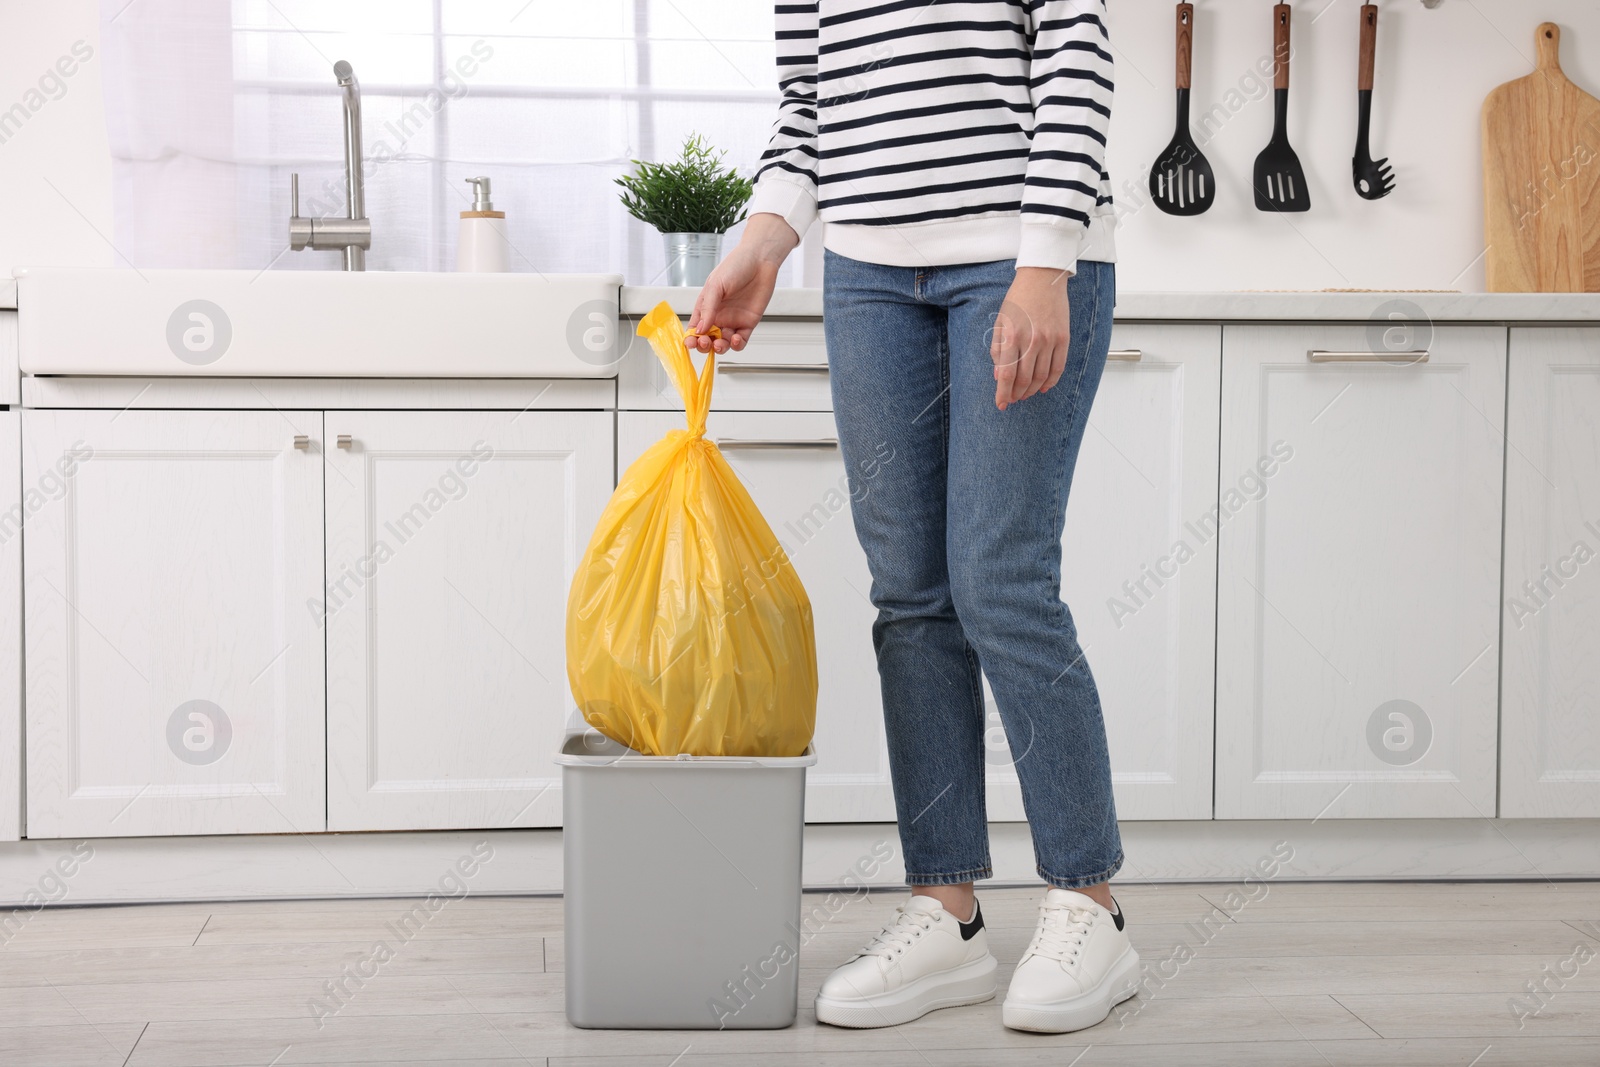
[{"x": 691, "y": 194}]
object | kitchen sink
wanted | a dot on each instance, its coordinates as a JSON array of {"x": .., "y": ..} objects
[{"x": 374, "y": 324}]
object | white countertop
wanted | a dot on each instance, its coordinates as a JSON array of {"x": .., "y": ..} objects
[
  {"x": 1356, "y": 307},
  {"x": 1238, "y": 307},
  {"x": 1196, "y": 306}
]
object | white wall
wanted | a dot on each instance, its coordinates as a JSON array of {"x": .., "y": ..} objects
[
  {"x": 55, "y": 166},
  {"x": 1434, "y": 69}
]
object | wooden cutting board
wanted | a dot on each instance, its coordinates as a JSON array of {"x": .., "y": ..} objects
[{"x": 1541, "y": 180}]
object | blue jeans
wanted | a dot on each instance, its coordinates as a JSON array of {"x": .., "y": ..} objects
[{"x": 959, "y": 507}]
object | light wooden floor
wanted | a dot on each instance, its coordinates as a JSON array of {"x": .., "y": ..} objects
[{"x": 1327, "y": 974}]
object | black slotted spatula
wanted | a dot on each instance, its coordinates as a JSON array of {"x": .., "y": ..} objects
[
  {"x": 1181, "y": 182},
  {"x": 1280, "y": 181}
]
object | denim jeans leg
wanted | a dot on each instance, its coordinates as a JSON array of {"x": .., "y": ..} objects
[
  {"x": 1010, "y": 472},
  {"x": 887, "y": 357}
]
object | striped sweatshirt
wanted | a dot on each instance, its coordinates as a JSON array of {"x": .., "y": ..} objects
[{"x": 934, "y": 132}]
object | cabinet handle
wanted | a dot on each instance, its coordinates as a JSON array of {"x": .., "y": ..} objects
[
  {"x": 344, "y": 440},
  {"x": 773, "y": 368},
  {"x": 1125, "y": 355},
  {"x": 742, "y": 442},
  {"x": 301, "y": 441},
  {"x": 1317, "y": 355}
]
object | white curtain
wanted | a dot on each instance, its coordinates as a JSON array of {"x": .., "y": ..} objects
[{"x": 212, "y": 104}]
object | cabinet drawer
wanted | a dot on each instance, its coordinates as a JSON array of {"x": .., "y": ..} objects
[
  {"x": 783, "y": 368},
  {"x": 1359, "y": 569}
]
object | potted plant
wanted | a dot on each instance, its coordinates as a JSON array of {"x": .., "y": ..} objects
[{"x": 692, "y": 200}]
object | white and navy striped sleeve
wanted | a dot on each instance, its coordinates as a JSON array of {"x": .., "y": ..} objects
[
  {"x": 786, "y": 183},
  {"x": 1070, "y": 80}
]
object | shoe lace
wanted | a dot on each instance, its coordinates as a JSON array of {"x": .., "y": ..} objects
[
  {"x": 900, "y": 934},
  {"x": 1061, "y": 931}
]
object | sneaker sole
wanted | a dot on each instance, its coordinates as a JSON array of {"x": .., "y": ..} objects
[
  {"x": 1082, "y": 1011},
  {"x": 971, "y": 983}
]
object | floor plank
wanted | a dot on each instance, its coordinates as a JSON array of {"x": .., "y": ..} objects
[
  {"x": 106, "y": 927},
  {"x": 1518, "y": 1052},
  {"x": 1219, "y": 938},
  {"x": 1203, "y": 976},
  {"x": 1405, "y": 901},
  {"x": 410, "y": 920},
  {"x": 76, "y": 1045},
  {"x": 1558, "y": 1013},
  {"x": 211, "y": 963}
]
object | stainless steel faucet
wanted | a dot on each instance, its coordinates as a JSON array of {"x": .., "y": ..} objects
[{"x": 352, "y": 234}]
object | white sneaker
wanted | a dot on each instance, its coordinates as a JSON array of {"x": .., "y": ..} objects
[
  {"x": 925, "y": 959},
  {"x": 1078, "y": 967}
]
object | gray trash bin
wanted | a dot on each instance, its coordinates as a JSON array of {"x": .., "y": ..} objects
[{"x": 682, "y": 887}]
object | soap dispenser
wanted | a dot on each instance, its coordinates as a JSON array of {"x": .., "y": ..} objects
[{"x": 483, "y": 246}]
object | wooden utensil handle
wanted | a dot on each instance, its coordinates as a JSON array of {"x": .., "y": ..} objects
[
  {"x": 1185, "y": 44},
  {"x": 1547, "y": 39},
  {"x": 1280, "y": 46},
  {"x": 1369, "y": 44}
]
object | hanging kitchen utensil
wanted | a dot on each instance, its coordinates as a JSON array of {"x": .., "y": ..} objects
[
  {"x": 1280, "y": 181},
  {"x": 1181, "y": 180},
  {"x": 1540, "y": 183},
  {"x": 1374, "y": 181}
]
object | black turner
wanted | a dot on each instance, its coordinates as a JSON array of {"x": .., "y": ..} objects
[
  {"x": 1181, "y": 181},
  {"x": 1280, "y": 181}
]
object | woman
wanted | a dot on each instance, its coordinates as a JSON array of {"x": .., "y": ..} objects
[{"x": 954, "y": 151}]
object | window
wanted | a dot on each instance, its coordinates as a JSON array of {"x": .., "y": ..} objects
[{"x": 212, "y": 107}]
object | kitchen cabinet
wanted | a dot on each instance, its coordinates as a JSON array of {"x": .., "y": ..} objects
[
  {"x": 1549, "y": 729},
  {"x": 452, "y": 539},
  {"x": 1147, "y": 466},
  {"x": 1359, "y": 574},
  {"x": 12, "y": 513},
  {"x": 1287, "y": 574},
  {"x": 791, "y": 465},
  {"x": 174, "y": 657},
  {"x": 1138, "y": 572}
]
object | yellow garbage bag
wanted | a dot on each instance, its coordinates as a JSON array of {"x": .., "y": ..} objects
[{"x": 688, "y": 631}]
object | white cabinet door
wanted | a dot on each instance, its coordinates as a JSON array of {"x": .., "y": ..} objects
[
  {"x": 1139, "y": 570},
  {"x": 12, "y": 515},
  {"x": 452, "y": 540},
  {"x": 799, "y": 485},
  {"x": 174, "y": 660},
  {"x": 1358, "y": 586},
  {"x": 1549, "y": 726}
]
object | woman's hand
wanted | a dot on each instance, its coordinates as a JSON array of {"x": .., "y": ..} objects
[
  {"x": 736, "y": 295},
  {"x": 1031, "y": 335}
]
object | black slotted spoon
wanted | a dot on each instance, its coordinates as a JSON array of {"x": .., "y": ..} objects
[
  {"x": 1280, "y": 181},
  {"x": 1181, "y": 182}
]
